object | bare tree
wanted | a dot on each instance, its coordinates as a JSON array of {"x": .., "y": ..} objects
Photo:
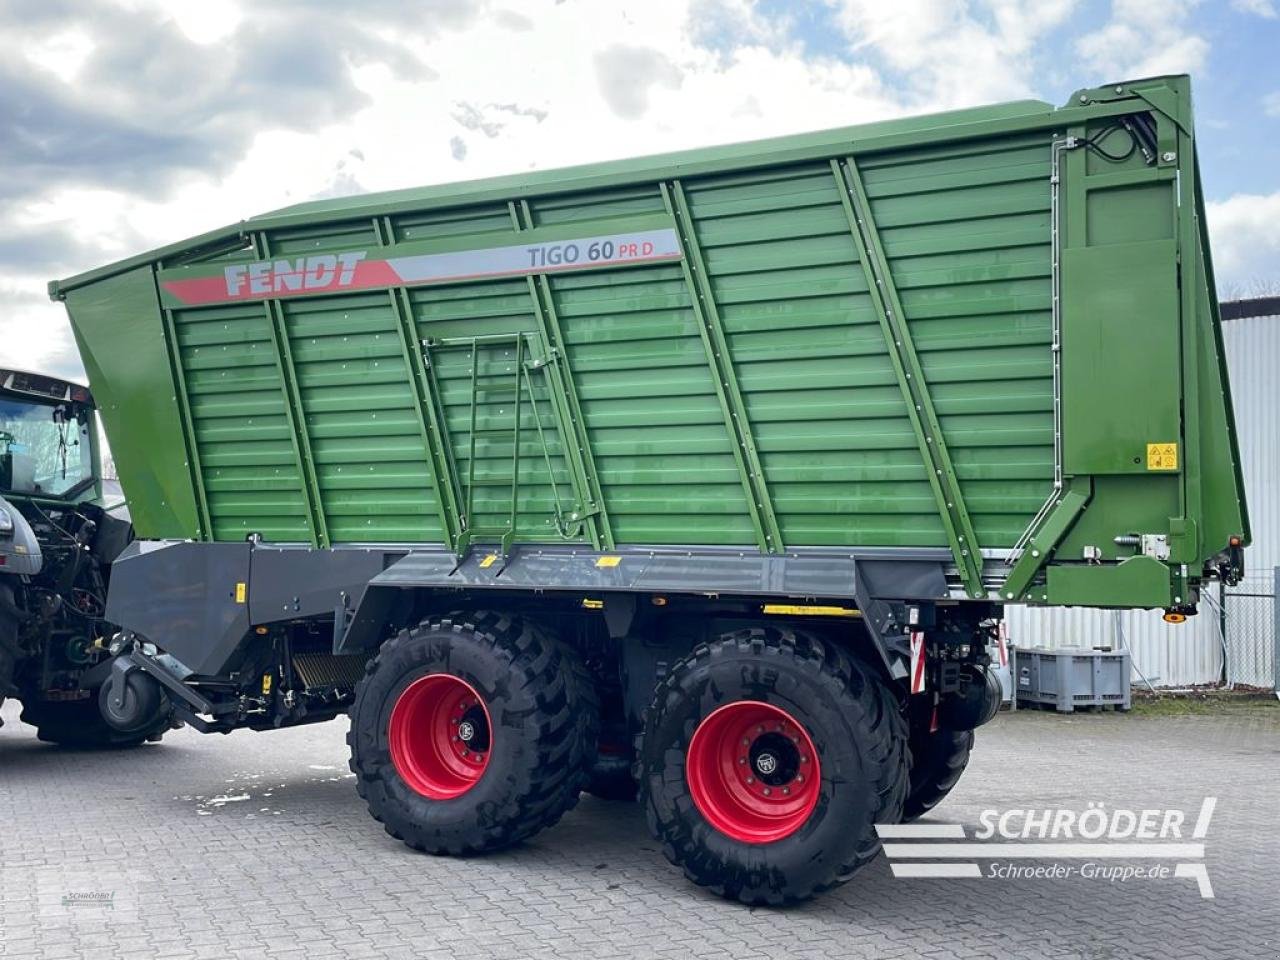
[{"x": 1249, "y": 289}]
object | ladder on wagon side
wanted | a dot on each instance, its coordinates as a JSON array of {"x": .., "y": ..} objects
[{"x": 500, "y": 372}]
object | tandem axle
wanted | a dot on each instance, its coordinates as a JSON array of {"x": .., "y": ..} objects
[{"x": 813, "y": 718}]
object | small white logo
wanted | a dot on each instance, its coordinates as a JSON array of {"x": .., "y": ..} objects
[
  {"x": 766, "y": 763},
  {"x": 466, "y": 730}
]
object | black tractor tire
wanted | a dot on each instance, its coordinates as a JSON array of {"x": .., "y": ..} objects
[
  {"x": 79, "y": 724},
  {"x": 858, "y": 733},
  {"x": 544, "y": 721},
  {"x": 937, "y": 760}
]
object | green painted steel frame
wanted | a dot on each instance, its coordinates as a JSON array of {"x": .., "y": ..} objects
[
  {"x": 300, "y": 436},
  {"x": 203, "y": 518},
  {"x": 425, "y": 405},
  {"x": 910, "y": 375},
  {"x": 1071, "y": 501},
  {"x": 703, "y": 303},
  {"x": 564, "y": 398}
]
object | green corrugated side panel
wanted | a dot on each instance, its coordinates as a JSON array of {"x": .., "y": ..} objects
[
  {"x": 657, "y": 434},
  {"x": 120, "y": 333},
  {"x": 498, "y": 309},
  {"x": 245, "y": 445},
  {"x": 371, "y": 462},
  {"x": 965, "y": 229},
  {"x": 966, "y": 232}
]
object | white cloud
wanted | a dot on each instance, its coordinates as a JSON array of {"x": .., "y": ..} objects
[
  {"x": 1271, "y": 104},
  {"x": 1261, "y": 8},
  {"x": 1144, "y": 38},
  {"x": 1244, "y": 234},
  {"x": 956, "y": 53}
]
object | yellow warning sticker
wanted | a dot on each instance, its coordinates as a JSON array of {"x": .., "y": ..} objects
[
  {"x": 608, "y": 561},
  {"x": 242, "y": 592},
  {"x": 488, "y": 561},
  {"x": 1162, "y": 456}
]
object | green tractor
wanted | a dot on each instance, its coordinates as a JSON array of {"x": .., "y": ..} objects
[{"x": 61, "y": 525}]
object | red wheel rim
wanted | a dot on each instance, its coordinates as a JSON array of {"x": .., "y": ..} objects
[
  {"x": 440, "y": 736},
  {"x": 753, "y": 772}
]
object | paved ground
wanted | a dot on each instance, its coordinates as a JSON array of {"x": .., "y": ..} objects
[{"x": 256, "y": 845}]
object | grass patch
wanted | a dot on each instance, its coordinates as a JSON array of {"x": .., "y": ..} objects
[{"x": 1208, "y": 705}]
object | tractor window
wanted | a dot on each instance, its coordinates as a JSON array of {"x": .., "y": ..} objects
[{"x": 44, "y": 448}]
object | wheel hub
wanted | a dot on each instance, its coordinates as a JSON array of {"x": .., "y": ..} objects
[
  {"x": 439, "y": 736},
  {"x": 753, "y": 772}
]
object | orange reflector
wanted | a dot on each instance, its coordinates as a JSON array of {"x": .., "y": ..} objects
[
  {"x": 659, "y": 601},
  {"x": 1171, "y": 617}
]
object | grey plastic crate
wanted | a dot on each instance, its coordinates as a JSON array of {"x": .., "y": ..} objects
[{"x": 1069, "y": 678}]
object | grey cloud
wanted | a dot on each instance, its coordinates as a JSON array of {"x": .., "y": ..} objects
[
  {"x": 519, "y": 111},
  {"x": 471, "y": 117},
  {"x": 458, "y": 148},
  {"x": 626, "y": 74},
  {"x": 48, "y": 250},
  {"x": 481, "y": 118},
  {"x": 150, "y": 103},
  {"x": 46, "y": 138},
  {"x": 513, "y": 21}
]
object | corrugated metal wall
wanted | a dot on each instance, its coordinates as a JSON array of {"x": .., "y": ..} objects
[{"x": 1192, "y": 652}]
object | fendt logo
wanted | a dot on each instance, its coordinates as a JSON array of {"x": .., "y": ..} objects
[{"x": 324, "y": 271}]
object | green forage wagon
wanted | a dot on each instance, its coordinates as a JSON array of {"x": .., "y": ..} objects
[{"x": 701, "y": 478}]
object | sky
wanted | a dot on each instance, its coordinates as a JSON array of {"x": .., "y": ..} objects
[{"x": 128, "y": 124}]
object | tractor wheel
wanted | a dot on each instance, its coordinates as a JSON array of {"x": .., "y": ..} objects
[
  {"x": 472, "y": 733},
  {"x": 937, "y": 760},
  {"x": 767, "y": 760}
]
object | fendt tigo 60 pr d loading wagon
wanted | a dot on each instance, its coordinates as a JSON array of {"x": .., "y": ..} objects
[{"x": 704, "y": 475}]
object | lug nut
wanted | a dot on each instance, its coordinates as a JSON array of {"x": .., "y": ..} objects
[
  {"x": 751, "y": 779},
  {"x": 767, "y": 791},
  {"x": 742, "y": 759}
]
